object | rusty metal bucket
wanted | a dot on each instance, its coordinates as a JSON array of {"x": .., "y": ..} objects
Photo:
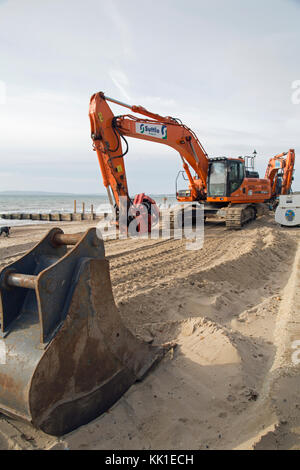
[{"x": 69, "y": 356}]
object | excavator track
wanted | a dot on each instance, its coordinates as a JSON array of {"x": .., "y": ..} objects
[{"x": 238, "y": 215}]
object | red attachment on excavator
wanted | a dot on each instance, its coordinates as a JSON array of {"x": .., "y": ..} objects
[{"x": 144, "y": 208}]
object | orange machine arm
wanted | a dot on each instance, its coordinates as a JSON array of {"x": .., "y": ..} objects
[
  {"x": 107, "y": 131},
  {"x": 283, "y": 163}
]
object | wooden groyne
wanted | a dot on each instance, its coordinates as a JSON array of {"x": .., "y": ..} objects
[
  {"x": 57, "y": 216},
  {"x": 54, "y": 217}
]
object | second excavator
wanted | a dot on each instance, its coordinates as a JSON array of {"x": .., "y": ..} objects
[
  {"x": 280, "y": 173},
  {"x": 225, "y": 186}
]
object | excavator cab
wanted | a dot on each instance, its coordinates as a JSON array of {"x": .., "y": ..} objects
[{"x": 225, "y": 176}]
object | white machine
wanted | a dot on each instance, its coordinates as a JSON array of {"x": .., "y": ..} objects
[{"x": 288, "y": 210}]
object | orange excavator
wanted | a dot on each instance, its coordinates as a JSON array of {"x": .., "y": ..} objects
[
  {"x": 224, "y": 185},
  {"x": 280, "y": 173}
]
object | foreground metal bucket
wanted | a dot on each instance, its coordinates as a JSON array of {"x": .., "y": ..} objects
[{"x": 69, "y": 356}]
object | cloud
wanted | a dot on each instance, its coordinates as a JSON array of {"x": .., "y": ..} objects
[
  {"x": 41, "y": 122},
  {"x": 121, "y": 82},
  {"x": 121, "y": 28},
  {"x": 2, "y": 92}
]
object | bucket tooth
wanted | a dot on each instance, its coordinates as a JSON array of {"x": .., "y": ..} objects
[{"x": 69, "y": 356}]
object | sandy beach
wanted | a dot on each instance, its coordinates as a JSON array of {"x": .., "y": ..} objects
[{"x": 233, "y": 310}]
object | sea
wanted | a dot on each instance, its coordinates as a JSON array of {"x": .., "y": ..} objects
[{"x": 63, "y": 203}]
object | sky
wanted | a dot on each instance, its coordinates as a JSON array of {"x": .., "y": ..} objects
[{"x": 229, "y": 69}]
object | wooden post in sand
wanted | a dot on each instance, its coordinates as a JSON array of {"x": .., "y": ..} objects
[
  {"x": 92, "y": 211},
  {"x": 74, "y": 206},
  {"x": 83, "y": 208}
]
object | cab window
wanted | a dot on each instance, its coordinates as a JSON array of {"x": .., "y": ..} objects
[
  {"x": 236, "y": 175},
  {"x": 217, "y": 179}
]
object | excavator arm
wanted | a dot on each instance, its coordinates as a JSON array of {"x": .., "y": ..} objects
[{"x": 108, "y": 132}]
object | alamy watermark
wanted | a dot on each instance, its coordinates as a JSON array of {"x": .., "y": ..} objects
[
  {"x": 181, "y": 221},
  {"x": 2, "y": 92},
  {"x": 2, "y": 352},
  {"x": 296, "y": 353},
  {"x": 296, "y": 93}
]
